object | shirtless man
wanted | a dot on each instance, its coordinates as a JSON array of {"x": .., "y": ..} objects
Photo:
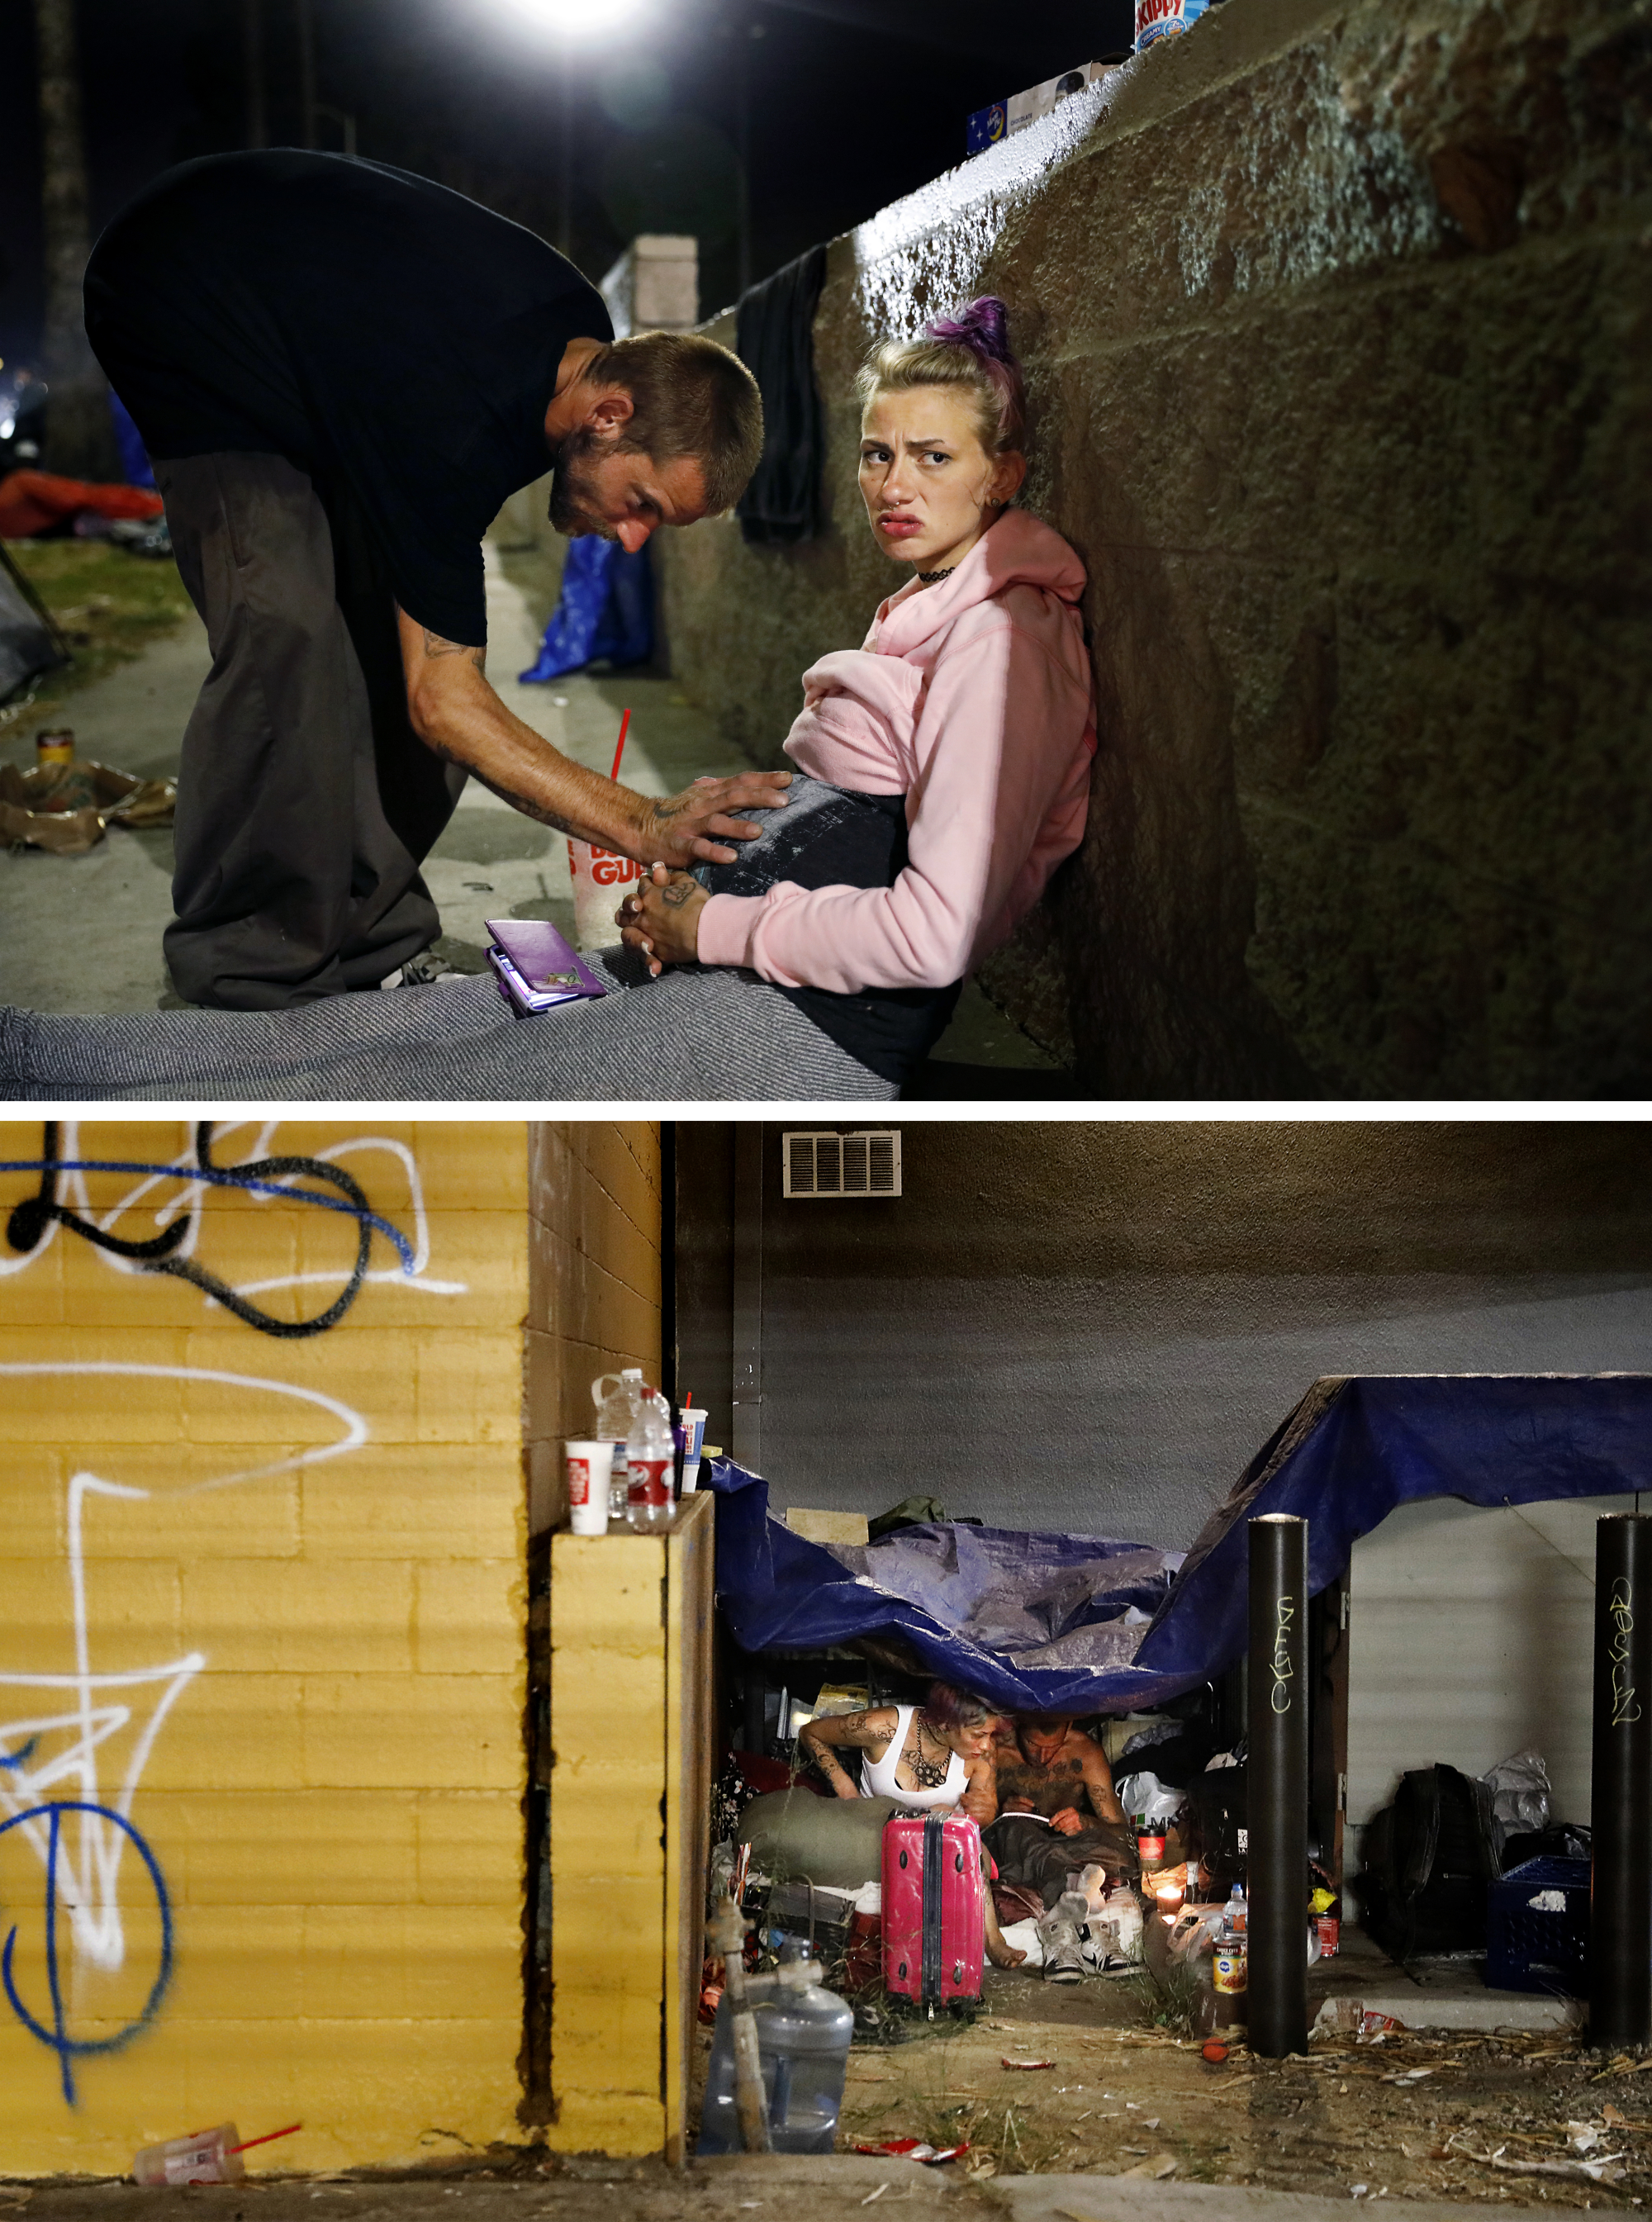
[{"x": 1045, "y": 1765}]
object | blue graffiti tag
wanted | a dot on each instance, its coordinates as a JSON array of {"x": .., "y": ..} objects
[{"x": 57, "y": 2039}]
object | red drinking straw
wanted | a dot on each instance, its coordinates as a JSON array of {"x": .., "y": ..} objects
[
  {"x": 620, "y": 749},
  {"x": 268, "y": 2137}
]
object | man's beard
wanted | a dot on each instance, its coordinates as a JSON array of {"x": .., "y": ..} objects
[{"x": 573, "y": 513}]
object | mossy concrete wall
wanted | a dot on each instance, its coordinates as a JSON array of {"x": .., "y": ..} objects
[{"x": 1337, "y": 316}]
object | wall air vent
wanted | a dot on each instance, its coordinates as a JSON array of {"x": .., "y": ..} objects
[{"x": 866, "y": 1164}]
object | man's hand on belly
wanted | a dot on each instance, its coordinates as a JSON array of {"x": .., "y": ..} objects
[{"x": 457, "y": 714}]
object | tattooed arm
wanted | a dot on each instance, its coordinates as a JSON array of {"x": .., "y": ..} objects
[
  {"x": 457, "y": 715},
  {"x": 1098, "y": 1782},
  {"x": 980, "y": 1799},
  {"x": 822, "y": 1739}
]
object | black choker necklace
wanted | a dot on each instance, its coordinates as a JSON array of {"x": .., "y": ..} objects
[{"x": 929, "y": 577}]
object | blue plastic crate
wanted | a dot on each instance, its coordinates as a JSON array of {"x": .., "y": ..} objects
[{"x": 1529, "y": 1948}]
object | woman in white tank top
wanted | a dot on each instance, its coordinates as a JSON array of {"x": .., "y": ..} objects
[{"x": 936, "y": 1756}]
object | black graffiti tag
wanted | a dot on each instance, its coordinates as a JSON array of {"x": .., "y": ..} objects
[{"x": 264, "y": 1176}]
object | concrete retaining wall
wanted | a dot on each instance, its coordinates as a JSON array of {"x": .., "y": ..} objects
[{"x": 1336, "y": 323}]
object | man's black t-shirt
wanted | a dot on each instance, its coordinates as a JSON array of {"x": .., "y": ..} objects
[{"x": 364, "y": 324}]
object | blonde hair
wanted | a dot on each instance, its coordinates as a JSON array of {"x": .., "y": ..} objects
[{"x": 968, "y": 352}]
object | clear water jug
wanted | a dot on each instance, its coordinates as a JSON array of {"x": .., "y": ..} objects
[
  {"x": 615, "y": 1396},
  {"x": 803, "y": 2035}
]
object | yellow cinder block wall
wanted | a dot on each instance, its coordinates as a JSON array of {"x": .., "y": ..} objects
[{"x": 263, "y": 1640}]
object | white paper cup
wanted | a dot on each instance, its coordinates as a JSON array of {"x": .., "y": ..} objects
[
  {"x": 693, "y": 1424},
  {"x": 601, "y": 881},
  {"x": 588, "y": 1466}
]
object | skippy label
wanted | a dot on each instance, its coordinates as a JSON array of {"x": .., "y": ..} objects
[{"x": 1164, "y": 19}]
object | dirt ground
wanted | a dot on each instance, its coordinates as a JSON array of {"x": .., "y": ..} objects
[{"x": 1461, "y": 2116}]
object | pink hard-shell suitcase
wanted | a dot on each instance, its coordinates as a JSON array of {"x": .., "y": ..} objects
[{"x": 934, "y": 1907}]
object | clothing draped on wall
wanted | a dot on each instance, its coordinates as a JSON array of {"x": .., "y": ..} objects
[{"x": 774, "y": 337}]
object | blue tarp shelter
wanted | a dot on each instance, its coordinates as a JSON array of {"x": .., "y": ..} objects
[{"x": 1104, "y": 1626}]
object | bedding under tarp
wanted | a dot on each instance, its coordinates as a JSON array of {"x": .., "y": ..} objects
[{"x": 1059, "y": 1624}]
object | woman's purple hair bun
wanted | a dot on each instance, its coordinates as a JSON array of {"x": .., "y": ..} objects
[
  {"x": 983, "y": 326},
  {"x": 968, "y": 349}
]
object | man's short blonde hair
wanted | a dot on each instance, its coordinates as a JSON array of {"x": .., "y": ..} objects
[{"x": 690, "y": 397}]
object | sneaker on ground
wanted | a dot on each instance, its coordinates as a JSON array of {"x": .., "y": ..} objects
[{"x": 1058, "y": 1933}]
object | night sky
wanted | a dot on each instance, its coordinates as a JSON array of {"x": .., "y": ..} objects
[{"x": 853, "y": 103}]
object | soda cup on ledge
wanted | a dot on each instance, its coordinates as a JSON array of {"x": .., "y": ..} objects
[
  {"x": 590, "y": 1466},
  {"x": 692, "y": 1432}
]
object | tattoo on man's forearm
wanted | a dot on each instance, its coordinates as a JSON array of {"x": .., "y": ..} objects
[
  {"x": 524, "y": 803},
  {"x": 435, "y": 646}
]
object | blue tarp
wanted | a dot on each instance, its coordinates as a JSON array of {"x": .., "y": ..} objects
[{"x": 1352, "y": 1451}]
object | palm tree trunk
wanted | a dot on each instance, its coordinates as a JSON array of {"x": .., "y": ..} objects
[{"x": 79, "y": 438}]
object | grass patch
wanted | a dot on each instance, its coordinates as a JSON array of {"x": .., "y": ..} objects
[
  {"x": 1170, "y": 2001},
  {"x": 110, "y": 606}
]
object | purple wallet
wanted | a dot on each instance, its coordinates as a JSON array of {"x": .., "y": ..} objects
[{"x": 538, "y": 967}]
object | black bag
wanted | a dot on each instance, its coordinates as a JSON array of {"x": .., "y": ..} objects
[
  {"x": 1429, "y": 1861},
  {"x": 1561, "y": 1840},
  {"x": 1213, "y": 1829}
]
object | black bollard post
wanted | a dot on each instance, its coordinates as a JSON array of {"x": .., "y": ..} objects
[
  {"x": 1620, "y": 1895},
  {"x": 1277, "y": 1794}
]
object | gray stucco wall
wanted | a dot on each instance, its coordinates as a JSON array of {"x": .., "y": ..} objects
[
  {"x": 1338, "y": 327},
  {"x": 1094, "y": 1326}
]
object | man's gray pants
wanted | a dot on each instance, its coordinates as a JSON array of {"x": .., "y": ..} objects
[{"x": 307, "y": 803}]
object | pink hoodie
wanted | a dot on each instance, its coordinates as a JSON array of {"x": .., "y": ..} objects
[{"x": 972, "y": 698}]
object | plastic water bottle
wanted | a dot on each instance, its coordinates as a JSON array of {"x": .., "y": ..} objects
[
  {"x": 1236, "y": 1916},
  {"x": 650, "y": 1457},
  {"x": 803, "y": 2034},
  {"x": 615, "y": 1396}
]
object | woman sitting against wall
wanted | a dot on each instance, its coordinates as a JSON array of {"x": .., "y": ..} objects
[
  {"x": 944, "y": 773},
  {"x": 947, "y": 759}
]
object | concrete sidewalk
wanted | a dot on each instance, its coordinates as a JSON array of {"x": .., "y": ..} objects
[
  {"x": 832, "y": 2188},
  {"x": 1119, "y": 2199}
]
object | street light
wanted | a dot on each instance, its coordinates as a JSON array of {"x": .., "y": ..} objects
[
  {"x": 571, "y": 23},
  {"x": 577, "y": 19}
]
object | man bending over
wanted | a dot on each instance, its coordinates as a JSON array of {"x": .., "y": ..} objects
[{"x": 341, "y": 370}]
